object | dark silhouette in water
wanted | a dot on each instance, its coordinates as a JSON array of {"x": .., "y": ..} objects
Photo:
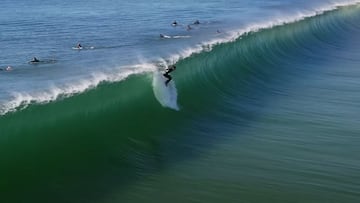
[
  {"x": 35, "y": 60},
  {"x": 168, "y": 70}
]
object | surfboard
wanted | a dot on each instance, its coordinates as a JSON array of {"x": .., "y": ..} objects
[
  {"x": 82, "y": 48},
  {"x": 77, "y": 48},
  {"x": 34, "y": 62},
  {"x": 165, "y": 36}
]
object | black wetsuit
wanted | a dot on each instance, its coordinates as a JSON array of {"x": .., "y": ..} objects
[
  {"x": 169, "y": 69},
  {"x": 35, "y": 60}
]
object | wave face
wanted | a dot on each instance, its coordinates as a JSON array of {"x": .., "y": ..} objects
[{"x": 274, "y": 110}]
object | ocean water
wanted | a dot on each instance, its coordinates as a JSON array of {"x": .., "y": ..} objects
[{"x": 263, "y": 107}]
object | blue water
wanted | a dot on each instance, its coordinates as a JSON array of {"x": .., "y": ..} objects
[{"x": 263, "y": 106}]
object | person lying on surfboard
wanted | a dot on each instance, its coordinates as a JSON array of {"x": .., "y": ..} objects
[
  {"x": 78, "y": 46},
  {"x": 168, "y": 70},
  {"x": 174, "y": 23}
]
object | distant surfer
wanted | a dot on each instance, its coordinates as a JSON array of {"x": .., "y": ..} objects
[
  {"x": 168, "y": 70},
  {"x": 35, "y": 60},
  {"x": 162, "y": 36},
  {"x": 174, "y": 23},
  {"x": 9, "y": 68},
  {"x": 79, "y": 46},
  {"x": 188, "y": 28},
  {"x": 197, "y": 22}
]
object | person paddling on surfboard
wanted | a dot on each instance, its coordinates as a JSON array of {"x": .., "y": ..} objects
[
  {"x": 9, "y": 68},
  {"x": 168, "y": 70},
  {"x": 78, "y": 46},
  {"x": 174, "y": 23},
  {"x": 35, "y": 60}
]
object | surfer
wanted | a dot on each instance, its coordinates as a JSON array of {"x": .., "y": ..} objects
[
  {"x": 162, "y": 36},
  {"x": 35, "y": 60},
  {"x": 174, "y": 23},
  {"x": 188, "y": 28},
  {"x": 78, "y": 46},
  {"x": 9, "y": 68},
  {"x": 168, "y": 70},
  {"x": 197, "y": 22}
]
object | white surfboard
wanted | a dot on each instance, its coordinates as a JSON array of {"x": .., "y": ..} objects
[{"x": 77, "y": 48}]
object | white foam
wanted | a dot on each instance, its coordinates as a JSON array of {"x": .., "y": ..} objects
[{"x": 20, "y": 100}]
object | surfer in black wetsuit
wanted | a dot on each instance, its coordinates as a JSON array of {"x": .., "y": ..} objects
[
  {"x": 168, "y": 70},
  {"x": 35, "y": 60}
]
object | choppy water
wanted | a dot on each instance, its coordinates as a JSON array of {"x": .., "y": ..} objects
[{"x": 264, "y": 111}]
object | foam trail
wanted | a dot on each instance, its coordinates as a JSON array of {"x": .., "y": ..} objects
[{"x": 166, "y": 95}]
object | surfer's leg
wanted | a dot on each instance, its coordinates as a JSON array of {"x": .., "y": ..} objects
[
  {"x": 168, "y": 80},
  {"x": 168, "y": 77}
]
